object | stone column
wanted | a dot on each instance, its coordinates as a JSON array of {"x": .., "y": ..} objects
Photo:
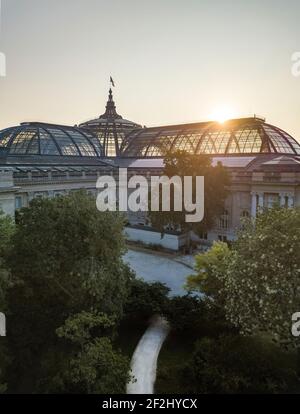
[
  {"x": 260, "y": 200},
  {"x": 253, "y": 205},
  {"x": 290, "y": 201},
  {"x": 30, "y": 196},
  {"x": 282, "y": 199}
]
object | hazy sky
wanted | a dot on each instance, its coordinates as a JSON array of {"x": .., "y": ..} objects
[{"x": 173, "y": 61}]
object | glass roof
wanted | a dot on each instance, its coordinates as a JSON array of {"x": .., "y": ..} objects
[
  {"x": 110, "y": 128},
  {"x": 239, "y": 136},
  {"x": 47, "y": 139},
  {"x": 247, "y": 136}
]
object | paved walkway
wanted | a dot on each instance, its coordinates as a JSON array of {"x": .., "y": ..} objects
[
  {"x": 154, "y": 267},
  {"x": 144, "y": 360},
  {"x": 173, "y": 272}
]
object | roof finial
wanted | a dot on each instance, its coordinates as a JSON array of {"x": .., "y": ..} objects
[
  {"x": 112, "y": 84},
  {"x": 110, "y": 96},
  {"x": 111, "y": 112}
]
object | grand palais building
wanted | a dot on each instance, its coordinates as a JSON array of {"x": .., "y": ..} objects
[{"x": 49, "y": 160}]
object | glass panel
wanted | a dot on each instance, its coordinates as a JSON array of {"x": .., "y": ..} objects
[
  {"x": 21, "y": 141},
  {"x": 65, "y": 143},
  {"x": 5, "y": 137},
  {"x": 278, "y": 141},
  {"x": 221, "y": 140},
  {"x": 206, "y": 146},
  {"x": 47, "y": 145},
  {"x": 33, "y": 147},
  {"x": 84, "y": 146},
  {"x": 248, "y": 140},
  {"x": 293, "y": 142},
  {"x": 96, "y": 142}
]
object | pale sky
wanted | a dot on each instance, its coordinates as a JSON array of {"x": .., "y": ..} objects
[{"x": 173, "y": 61}]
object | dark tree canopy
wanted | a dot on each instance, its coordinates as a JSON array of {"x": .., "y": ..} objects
[{"x": 66, "y": 259}]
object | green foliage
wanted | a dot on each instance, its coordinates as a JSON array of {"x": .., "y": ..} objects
[
  {"x": 237, "y": 364},
  {"x": 83, "y": 326},
  {"x": 146, "y": 299},
  {"x": 180, "y": 163},
  {"x": 194, "y": 317},
  {"x": 258, "y": 281},
  {"x": 66, "y": 259},
  {"x": 6, "y": 232},
  {"x": 173, "y": 357},
  {"x": 210, "y": 267},
  {"x": 91, "y": 365},
  {"x": 255, "y": 286},
  {"x": 99, "y": 369},
  {"x": 263, "y": 275}
]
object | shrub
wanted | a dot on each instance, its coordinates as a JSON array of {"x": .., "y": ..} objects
[{"x": 238, "y": 364}]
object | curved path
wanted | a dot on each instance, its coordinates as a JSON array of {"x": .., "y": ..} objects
[
  {"x": 153, "y": 267},
  {"x": 144, "y": 360}
]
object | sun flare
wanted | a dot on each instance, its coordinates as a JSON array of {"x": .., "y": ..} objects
[{"x": 222, "y": 114}]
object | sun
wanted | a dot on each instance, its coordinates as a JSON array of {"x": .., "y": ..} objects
[{"x": 222, "y": 114}]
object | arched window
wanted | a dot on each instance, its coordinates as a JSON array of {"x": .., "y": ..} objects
[
  {"x": 245, "y": 214},
  {"x": 224, "y": 220}
]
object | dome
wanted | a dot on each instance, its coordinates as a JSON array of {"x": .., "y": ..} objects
[
  {"x": 237, "y": 136},
  {"x": 35, "y": 138},
  {"x": 110, "y": 128}
]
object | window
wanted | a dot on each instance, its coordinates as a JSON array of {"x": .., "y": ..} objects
[
  {"x": 18, "y": 202},
  {"x": 222, "y": 238},
  {"x": 271, "y": 200},
  {"x": 40, "y": 195},
  {"x": 224, "y": 220},
  {"x": 58, "y": 193}
]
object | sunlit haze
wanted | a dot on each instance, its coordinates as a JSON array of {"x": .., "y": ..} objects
[
  {"x": 223, "y": 113},
  {"x": 173, "y": 61}
]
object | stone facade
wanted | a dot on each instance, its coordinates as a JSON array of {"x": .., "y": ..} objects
[{"x": 261, "y": 182}]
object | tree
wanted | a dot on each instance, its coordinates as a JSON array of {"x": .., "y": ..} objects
[
  {"x": 263, "y": 275},
  {"x": 237, "y": 364},
  {"x": 259, "y": 281},
  {"x": 6, "y": 232},
  {"x": 210, "y": 267},
  {"x": 90, "y": 364},
  {"x": 192, "y": 317},
  {"x": 66, "y": 258},
  {"x": 216, "y": 182},
  {"x": 146, "y": 299}
]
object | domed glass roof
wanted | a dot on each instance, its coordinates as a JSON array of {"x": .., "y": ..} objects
[
  {"x": 237, "y": 136},
  {"x": 110, "y": 128},
  {"x": 36, "y": 138}
]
